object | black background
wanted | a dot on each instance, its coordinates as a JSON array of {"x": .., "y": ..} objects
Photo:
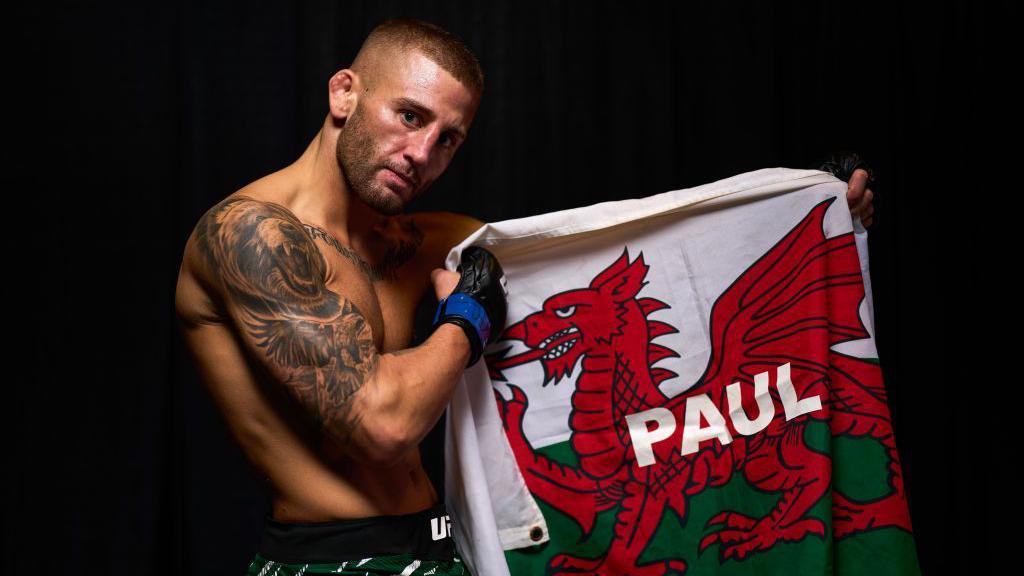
[{"x": 126, "y": 121}]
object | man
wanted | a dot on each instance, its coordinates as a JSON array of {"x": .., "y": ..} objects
[{"x": 296, "y": 299}]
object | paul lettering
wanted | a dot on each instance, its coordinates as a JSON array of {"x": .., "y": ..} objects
[{"x": 700, "y": 408}]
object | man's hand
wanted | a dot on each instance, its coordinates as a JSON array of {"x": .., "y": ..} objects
[
  {"x": 444, "y": 282},
  {"x": 851, "y": 168},
  {"x": 478, "y": 302},
  {"x": 859, "y": 197}
]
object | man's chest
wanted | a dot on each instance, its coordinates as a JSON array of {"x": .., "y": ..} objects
[{"x": 386, "y": 286}]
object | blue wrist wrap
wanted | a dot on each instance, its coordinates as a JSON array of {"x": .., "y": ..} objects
[{"x": 464, "y": 306}]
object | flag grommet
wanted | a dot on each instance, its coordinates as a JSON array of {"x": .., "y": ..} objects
[{"x": 536, "y": 533}]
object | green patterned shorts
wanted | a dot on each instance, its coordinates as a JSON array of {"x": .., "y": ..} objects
[
  {"x": 418, "y": 544},
  {"x": 403, "y": 564}
]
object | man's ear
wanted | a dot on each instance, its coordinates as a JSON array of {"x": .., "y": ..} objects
[{"x": 342, "y": 93}]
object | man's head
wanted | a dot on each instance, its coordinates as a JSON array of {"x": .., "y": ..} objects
[{"x": 403, "y": 109}]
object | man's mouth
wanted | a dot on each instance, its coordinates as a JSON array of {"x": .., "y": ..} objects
[{"x": 403, "y": 180}]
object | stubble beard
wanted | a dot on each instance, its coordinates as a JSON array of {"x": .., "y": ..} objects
[{"x": 355, "y": 155}]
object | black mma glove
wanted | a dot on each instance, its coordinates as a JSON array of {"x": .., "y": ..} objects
[
  {"x": 478, "y": 303},
  {"x": 842, "y": 165}
]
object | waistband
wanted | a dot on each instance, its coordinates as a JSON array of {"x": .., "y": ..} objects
[{"x": 426, "y": 535}]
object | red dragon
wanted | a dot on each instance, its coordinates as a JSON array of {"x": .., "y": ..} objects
[{"x": 791, "y": 306}]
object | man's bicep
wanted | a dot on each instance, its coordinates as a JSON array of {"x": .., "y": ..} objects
[{"x": 271, "y": 278}]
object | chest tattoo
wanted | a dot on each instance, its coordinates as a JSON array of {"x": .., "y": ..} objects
[{"x": 399, "y": 250}]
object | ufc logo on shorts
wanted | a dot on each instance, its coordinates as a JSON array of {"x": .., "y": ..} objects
[{"x": 440, "y": 527}]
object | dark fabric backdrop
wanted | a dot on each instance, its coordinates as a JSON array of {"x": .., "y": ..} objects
[{"x": 128, "y": 120}]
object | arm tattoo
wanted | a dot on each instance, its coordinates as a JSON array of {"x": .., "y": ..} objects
[{"x": 313, "y": 339}]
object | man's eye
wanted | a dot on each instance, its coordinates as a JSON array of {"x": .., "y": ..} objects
[{"x": 409, "y": 117}]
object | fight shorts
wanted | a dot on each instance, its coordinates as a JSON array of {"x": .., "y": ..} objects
[{"x": 415, "y": 544}]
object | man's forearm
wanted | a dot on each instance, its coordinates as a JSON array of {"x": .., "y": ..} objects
[
  {"x": 409, "y": 389},
  {"x": 415, "y": 384}
]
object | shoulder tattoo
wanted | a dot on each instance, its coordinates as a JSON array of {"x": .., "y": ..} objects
[{"x": 316, "y": 341}]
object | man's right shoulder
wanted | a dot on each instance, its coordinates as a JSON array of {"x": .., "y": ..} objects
[
  {"x": 221, "y": 232},
  {"x": 229, "y": 224}
]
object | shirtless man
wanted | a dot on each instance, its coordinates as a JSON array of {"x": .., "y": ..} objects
[{"x": 296, "y": 299}]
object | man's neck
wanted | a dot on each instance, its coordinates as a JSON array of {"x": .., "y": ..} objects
[{"x": 323, "y": 196}]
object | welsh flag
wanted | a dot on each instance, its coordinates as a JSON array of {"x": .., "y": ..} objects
[{"x": 687, "y": 384}]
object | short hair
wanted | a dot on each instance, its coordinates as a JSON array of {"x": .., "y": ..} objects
[{"x": 440, "y": 46}]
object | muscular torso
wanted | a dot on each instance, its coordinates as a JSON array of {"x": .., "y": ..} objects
[{"x": 311, "y": 477}]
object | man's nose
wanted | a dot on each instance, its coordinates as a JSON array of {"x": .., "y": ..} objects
[{"x": 421, "y": 144}]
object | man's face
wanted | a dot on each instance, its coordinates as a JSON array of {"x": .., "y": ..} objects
[{"x": 403, "y": 132}]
